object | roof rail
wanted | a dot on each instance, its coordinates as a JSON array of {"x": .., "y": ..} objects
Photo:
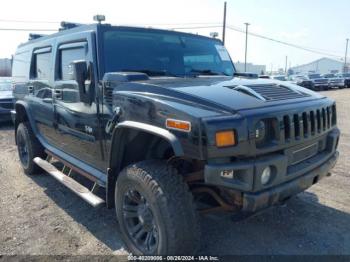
[
  {"x": 34, "y": 36},
  {"x": 68, "y": 25}
]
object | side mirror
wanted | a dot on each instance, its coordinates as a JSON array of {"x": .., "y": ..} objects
[{"x": 82, "y": 74}]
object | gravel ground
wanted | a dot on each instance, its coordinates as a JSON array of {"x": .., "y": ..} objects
[{"x": 39, "y": 216}]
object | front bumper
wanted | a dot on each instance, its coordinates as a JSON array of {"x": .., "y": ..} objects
[
  {"x": 336, "y": 84},
  {"x": 294, "y": 169},
  {"x": 5, "y": 115},
  {"x": 321, "y": 85},
  {"x": 255, "y": 202},
  {"x": 13, "y": 115}
]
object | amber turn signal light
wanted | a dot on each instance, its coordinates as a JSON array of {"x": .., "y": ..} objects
[
  {"x": 178, "y": 125},
  {"x": 225, "y": 138}
]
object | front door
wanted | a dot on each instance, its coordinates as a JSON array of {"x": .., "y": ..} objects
[{"x": 77, "y": 121}]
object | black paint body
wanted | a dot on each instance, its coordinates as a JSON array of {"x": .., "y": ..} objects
[{"x": 76, "y": 131}]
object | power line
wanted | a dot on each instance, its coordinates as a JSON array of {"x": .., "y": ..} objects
[
  {"x": 201, "y": 25},
  {"x": 28, "y": 29},
  {"x": 304, "y": 48},
  {"x": 134, "y": 24},
  {"x": 29, "y": 21},
  {"x": 196, "y": 27},
  {"x": 309, "y": 49}
]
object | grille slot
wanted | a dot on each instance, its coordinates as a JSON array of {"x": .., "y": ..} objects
[
  {"x": 309, "y": 123},
  {"x": 108, "y": 95},
  {"x": 296, "y": 126},
  {"x": 286, "y": 121},
  {"x": 276, "y": 92},
  {"x": 312, "y": 122}
]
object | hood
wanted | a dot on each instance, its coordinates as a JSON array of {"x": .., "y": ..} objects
[
  {"x": 236, "y": 93},
  {"x": 6, "y": 94}
]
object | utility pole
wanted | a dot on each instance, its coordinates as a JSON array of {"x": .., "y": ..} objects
[
  {"x": 285, "y": 70},
  {"x": 246, "y": 46},
  {"x": 346, "y": 54},
  {"x": 224, "y": 25}
]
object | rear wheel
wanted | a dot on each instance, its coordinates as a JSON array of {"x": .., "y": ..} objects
[
  {"x": 28, "y": 148},
  {"x": 155, "y": 210}
]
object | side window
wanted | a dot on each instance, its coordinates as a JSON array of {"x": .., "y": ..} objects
[
  {"x": 66, "y": 57},
  {"x": 21, "y": 65},
  {"x": 42, "y": 66}
]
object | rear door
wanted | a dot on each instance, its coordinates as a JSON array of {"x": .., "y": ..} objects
[{"x": 77, "y": 121}]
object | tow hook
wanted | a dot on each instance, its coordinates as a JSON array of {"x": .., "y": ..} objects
[{"x": 111, "y": 123}]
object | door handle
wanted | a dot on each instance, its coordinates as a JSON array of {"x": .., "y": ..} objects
[{"x": 57, "y": 94}]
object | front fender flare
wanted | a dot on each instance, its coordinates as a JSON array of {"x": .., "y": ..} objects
[
  {"x": 158, "y": 131},
  {"x": 117, "y": 149}
]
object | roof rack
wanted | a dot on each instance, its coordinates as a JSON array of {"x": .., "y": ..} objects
[
  {"x": 68, "y": 25},
  {"x": 35, "y": 36}
]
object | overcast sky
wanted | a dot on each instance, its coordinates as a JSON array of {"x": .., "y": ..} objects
[{"x": 323, "y": 25}]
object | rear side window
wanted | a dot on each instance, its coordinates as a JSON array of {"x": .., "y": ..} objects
[
  {"x": 67, "y": 56},
  {"x": 42, "y": 65}
]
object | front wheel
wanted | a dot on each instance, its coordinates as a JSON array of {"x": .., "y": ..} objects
[
  {"x": 28, "y": 148},
  {"x": 155, "y": 210}
]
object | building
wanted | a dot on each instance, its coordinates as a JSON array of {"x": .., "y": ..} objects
[
  {"x": 322, "y": 66},
  {"x": 5, "y": 67},
  {"x": 251, "y": 68}
]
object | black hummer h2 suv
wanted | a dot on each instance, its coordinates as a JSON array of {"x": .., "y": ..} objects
[{"x": 161, "y": 120}]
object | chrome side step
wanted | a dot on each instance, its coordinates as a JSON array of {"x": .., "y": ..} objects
[{"x": 69, "y": 182}]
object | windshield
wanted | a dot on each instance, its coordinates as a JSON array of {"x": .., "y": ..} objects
[
  {"x": 313, "y": 76},
  {"x": 346, "y": 75},
  {"x": 159, "y": 53},
  {"x": 5, "y": 85}
]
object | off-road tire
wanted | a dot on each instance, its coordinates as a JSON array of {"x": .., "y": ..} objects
[
  {"x": 34, "y": 148},
  {"x": 170, "y": 201}
]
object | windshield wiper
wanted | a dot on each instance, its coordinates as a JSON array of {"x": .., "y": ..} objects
[
  {"x": 151, "y": 72},
  {"x": 207, "y": 72}
]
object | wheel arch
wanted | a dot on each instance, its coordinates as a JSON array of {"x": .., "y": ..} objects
[
  {"x": 133, "y": 142},
  {"x": 23, "y": 115}
]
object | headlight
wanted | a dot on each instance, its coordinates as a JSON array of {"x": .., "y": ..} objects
[
  {"x": 260, "y": 131},
  {"x": 266, "y": 175}
]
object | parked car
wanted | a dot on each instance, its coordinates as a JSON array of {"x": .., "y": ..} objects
[
  {"x": 301, "y": 80},
  {"x": 159, "y": 118},
  {"x": 265, "y": 76},
  {"x": 334, "y": 81},
  {"x": 6, "y": 99},
  {"x": 320, "y": 83},
  {"x": 279, "y": 77},
  {"x": 346, "y": 77}
]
